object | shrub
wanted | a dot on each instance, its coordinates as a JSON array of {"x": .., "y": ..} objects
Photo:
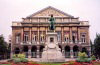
[
  {"x": 17, "y": 60},
  {"x": 93, "y": 57},
  {"x": 21, "y": 56},
  {"x": 24, "y": 60},
  {"x": 82, "y": 57},
  {"x": 15, "y": 56}
]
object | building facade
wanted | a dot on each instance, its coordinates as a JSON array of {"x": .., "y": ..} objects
[{"x": 29, "y": 35}]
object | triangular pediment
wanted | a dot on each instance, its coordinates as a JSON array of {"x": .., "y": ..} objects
[{"x": 48, "y": 11}]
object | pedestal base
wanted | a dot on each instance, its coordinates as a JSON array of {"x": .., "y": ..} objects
[{"x": 52, "y": 56}]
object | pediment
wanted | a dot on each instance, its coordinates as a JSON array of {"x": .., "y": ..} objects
[{"x": 48, "y": 11}]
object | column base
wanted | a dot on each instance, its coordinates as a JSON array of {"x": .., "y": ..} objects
[
  {"x": 38, "y": 56},
  {"x": 72, "y": 56},
  {"x": 29, "y": 56}
]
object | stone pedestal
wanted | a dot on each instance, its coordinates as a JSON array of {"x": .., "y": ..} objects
[{"x": 51, "y": 52}]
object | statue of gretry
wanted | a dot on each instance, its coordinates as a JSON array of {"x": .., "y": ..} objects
[{"x": 52, "y": 22}]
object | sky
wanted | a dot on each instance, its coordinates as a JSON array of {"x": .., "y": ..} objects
[{"x": 15, "y": 10}]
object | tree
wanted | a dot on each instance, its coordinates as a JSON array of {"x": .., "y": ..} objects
[
  {"x": 92, "y": 47},
  {"x": 3, "y": 46},
  {"x": 97, "y": 46}
]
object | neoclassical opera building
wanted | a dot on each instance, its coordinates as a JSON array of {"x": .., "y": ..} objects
[{"x": 29, "y": 35}]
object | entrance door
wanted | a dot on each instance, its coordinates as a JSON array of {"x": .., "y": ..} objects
[
  {"x": 67, "y": 52},
  {"x": 34, "y": 52},
  {"x": 75, "y": 51}
]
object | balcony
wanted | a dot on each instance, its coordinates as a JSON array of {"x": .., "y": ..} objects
[
  {"x": 72, "y": 42},
  {"x": 29, "y": 43},
  {"x": 42, "y": 42}
]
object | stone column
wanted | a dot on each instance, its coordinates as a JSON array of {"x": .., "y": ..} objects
[
  {"x": 62, "y": 37},
  {"x": 30, "y": 35},
  {"x": 46, "y": 33},
  {"x": 38, "y": 54},
  {"x": 70, "y": 34},
  {"x": 29, "y": 51},
  {"x": 38, "y": 36},
  {"x": 12, "y": 52},
  {"x": 71, "y": 52},
  {"x": 79, "y": 41},
  {"x": 22, "y": 33}
]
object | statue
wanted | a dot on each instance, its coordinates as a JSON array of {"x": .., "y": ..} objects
[{"x": 52, "y": 22}]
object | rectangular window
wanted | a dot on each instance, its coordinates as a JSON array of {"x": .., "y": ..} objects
[
  {"x": 66, "y": 36},
  {"x": 58, "y": 36},
  {"x": 42, "y": 36},
  {"x": 83, "y": 38},
  {"x": 18, "y": 39},
  {"x": 26, "y": 37},
  {"x": 51, "y": 40},
  {"x": 66, "y": 39},
  {"x": 34, "y": 38},
  {"x": 74, "y": 36}
]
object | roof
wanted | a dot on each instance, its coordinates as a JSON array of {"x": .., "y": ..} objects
[{"x": 50, "y": 7}]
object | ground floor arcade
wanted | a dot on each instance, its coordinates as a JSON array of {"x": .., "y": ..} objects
[{"x": 35, "y": 51}]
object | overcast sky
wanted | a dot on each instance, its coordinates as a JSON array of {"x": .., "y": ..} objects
[{"x": 14, "y": 10}]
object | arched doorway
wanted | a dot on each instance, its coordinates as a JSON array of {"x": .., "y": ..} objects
[
  {"x": 17, "y": 50},
  {"x": 67, "y": 52},
  {"x": 41, "y": 50},
  {"x": 25, "y": 50},
  {"x": 60, "y": 48},
  {"x": 85, "y": 50},
  {"x": 75, "y": 51},
  {"x": 34, "y": 51}
]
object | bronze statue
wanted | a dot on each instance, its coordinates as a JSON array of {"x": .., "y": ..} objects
[{"x": 52, "y": 22}]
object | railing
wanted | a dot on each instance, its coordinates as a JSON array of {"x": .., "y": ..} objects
[
  {"x": 40, "y": 54},
  {"x": 75, "y": 54},
  {"x": 34, "y": 42},
  {"x": 33, "y": 54},
  {"x": 26, "y": 54},
  {"x": 29, "y": 43},
  {"x": 67, "y": 54}
]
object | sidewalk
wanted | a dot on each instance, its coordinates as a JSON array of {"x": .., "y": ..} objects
[{"x": 4, "y": 60}]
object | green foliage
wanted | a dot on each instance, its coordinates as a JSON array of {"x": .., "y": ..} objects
[
  {"x": 15, "y": 56},
  {"x": 3, "y": 45},
  {"x": 82, "y": 57},
  {"x": 24, "y": 60},
  {"x": 19, "y": 58},
  {"x": 93, "y": 57},
  {"x": 97, "y": 46}
]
